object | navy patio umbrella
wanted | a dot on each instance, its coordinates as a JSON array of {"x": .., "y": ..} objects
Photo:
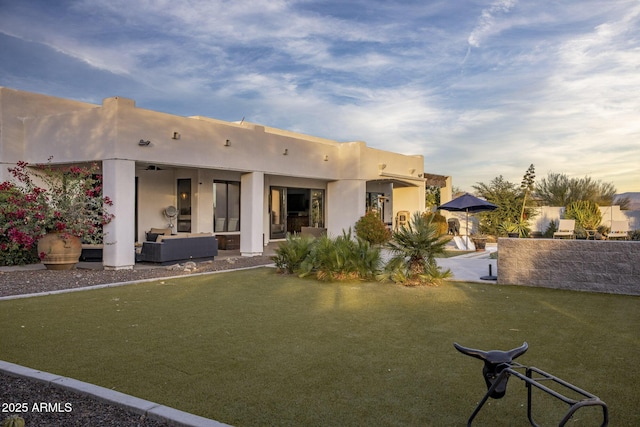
[{"x": 468, "y": 203}]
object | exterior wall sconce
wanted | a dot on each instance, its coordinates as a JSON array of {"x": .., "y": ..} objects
[
  {"x": 381, "y": 166},
  {"x": 285, "y": 152},
  {"x": 227, "y": 143},
  {"x": 176, "y": 135},
  {"x": 326, "y": 158},
  {"x": 411, "y": 171},
  {"x": 144, "y": 143},
  {"x": 420, "y": 175}
]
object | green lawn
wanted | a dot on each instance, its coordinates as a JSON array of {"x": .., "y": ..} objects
[{"x": 253, "y": 347}]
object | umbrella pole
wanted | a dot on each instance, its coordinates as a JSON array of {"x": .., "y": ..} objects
[{"x": 467, "y": 235}]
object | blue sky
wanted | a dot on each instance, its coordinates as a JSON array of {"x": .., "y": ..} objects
[{"x": 480, "y": 88}]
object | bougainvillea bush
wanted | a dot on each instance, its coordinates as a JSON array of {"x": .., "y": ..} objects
[{"x": 44, "y": 198}]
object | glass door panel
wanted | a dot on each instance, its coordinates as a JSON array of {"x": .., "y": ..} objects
[
  {"x": 317, "y": 208},
  {"x": 278, "y": 212}
]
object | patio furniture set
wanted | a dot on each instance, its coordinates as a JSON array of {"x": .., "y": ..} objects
[{"x": 566, "y": 230}]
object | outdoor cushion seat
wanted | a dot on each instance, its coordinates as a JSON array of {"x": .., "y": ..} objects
[
  {"x": 91, "y": 252},
  {"x": 566, "y": 229},
  {"x": 152, "y": 235},
  {"x": 619, "y": 230},
  {"x": 178, "y": 248},
  {"x": 453, "y": 226}
]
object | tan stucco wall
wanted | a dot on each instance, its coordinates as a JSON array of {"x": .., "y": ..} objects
[{"x": 36, "y": 127}]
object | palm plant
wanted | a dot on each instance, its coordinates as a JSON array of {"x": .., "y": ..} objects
[
  {"x": 341, "y": 258},
  {"x": 586, "y": 213},
  {"x": 291, "y": 253},
  {"x": 414, "y": 248}
]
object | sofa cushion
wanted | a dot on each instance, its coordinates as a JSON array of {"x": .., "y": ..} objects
[
  {"x": 174, "y": 248},
  {"x": 165, "y": 231},
  {"x": 152, "y": 237},
  {"x": 162, "y": 238}
]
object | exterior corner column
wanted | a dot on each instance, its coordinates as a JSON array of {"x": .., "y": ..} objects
[
  {"x": 252, "y": 214},
  {"x": 346, "y": 203},
  {"x": 119, "y": 235}
]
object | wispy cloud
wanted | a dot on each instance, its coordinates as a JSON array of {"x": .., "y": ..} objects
[
  {"x": 489, "y": 22},
  {"x": 545, "y": 83}
]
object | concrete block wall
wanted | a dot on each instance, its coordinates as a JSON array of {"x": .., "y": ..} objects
[{"x": 585, "y": 265}]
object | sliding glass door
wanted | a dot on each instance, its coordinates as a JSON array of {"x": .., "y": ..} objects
[
  {"x": 226, "y": 206},
  {"x": 278, "y": 212},
  {"x": 290, "y": 209}
]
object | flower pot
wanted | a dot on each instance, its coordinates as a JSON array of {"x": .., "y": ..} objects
[
  {"x": 59, "y": 251},
  {"x": 480, "y": 244}
]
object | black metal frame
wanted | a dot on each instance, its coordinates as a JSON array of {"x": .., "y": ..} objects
[{"x": 512, "y": 369}]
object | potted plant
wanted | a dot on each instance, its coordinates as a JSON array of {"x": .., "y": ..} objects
[
  {"x": 480, "y": 241},
  {"x": 55, "y": 208},
  {"x": 513, "y": 228}
]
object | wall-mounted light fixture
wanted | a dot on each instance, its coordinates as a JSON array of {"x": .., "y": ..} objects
[
  {"x": 381, "y": 166},
  {"x": 227, "y": 143},
  {"x": 326, "y": 158},
  {"x": 411, "y": 171},
  {"x": 176, "y": 135},
  {"x": 420, "y": 175},
  {"x": 285, "y": 152},
  {"x": 184, "y": 196},
  {"x": 144, "y": 143}
]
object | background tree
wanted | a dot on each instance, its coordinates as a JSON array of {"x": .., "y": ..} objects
[
  {"x": 527, "y": 187},
  {"x": 432, "y": 196},
  {"x": 504, "y": 194},
  {"x": 559, "y": 190}
]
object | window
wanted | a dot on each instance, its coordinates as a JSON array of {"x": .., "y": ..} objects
[
  {"x": 375, "y": 202},
  {"x": 184, "y": 205},
  {"x": 226, "y": 206},
  {"x": 317, "y": 208}
]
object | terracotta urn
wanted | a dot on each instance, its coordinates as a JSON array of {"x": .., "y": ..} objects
[{"x": 61, "y": 251}]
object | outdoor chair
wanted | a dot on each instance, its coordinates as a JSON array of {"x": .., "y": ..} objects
[
  {"x": 566, "y": 229},
  {"x": 402, "y": 219},
  {"x": 453, "y": 226},
  {"x": 619, "y": 230}
]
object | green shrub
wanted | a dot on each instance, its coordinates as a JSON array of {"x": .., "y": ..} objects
[
  {"x": 439, "y": 220},
  {"x": 341, "y": 258},
  {"x": 587, "y": 215},
  {"x": 551, "y": 228},
  {"x": 290, "y": 253},
  {"x": 414, "y": 250},
  {"x": 371, "y": 228},
  {"x": 12, "y": 253}
]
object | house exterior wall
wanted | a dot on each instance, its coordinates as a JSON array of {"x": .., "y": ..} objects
[
  {"x": 37, "y": 127},
  {"x": 345, "y": 204}
]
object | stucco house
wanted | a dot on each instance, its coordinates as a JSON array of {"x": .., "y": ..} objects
[{"x": 224, "y": 178}]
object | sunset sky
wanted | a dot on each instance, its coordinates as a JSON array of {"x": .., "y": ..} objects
[{"x": 480, "y": 88}]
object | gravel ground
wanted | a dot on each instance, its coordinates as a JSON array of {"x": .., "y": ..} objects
[
  {"x": 85, "y": 411},
  {"x": 27, "y": 281}
]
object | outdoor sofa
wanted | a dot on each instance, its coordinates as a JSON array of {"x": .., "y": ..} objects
[{"x": 179, "y": 247}]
